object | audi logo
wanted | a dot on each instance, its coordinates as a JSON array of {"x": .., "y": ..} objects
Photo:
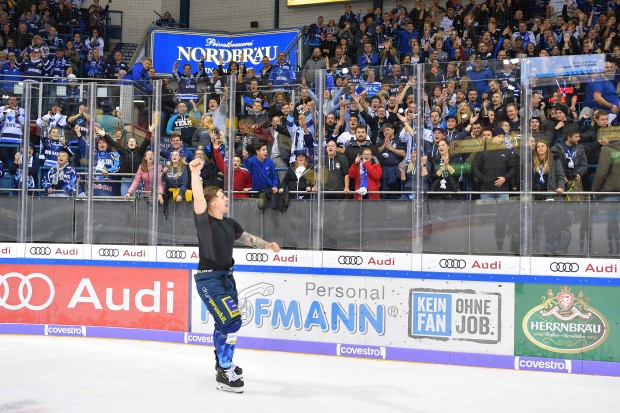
[
  {"x": 256, "y": 257},
  {"x": 176, "y": 254},
  {"x": 108, "y": 252},
  {"x": 24, "y": 291},
  {"x": 564, "y": 267},
  {"x": 40, "y": 251},
  {"x": 454, "y": 264},
  {"x": 350, "y": 260}
]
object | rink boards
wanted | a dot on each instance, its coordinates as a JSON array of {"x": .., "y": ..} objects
[{"x": 548, "y": 314}]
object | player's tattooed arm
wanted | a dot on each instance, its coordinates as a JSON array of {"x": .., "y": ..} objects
[
  {"x": 256, "y": 242},
  {"x": 253, "y": 241}
]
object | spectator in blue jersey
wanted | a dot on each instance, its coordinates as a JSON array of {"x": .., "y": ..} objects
[
  {"x": 33, "y": 68},
  {"x": 187, "y": 83},
  {"x": 176, "y": 145},
  {"x": 262, "y": 169},
  {"x": 603, "y": 91},
  {"x": 51, "y": 142},
  {"x": 282, "y": 74},
  {"x": 183, "y": 122},
  {"x": 56, "y": 65},
  {"x": 479, "y": 77},
  {"x": 404, "y": 38},
  {"x": 368, "y": 59},
  {"x": 166, "y": 20},
  {"x": 315, "y": 35},
  {"x": 61, "y": 179},
  {"x": 106, "y": 162},
  {"x": 11, "y": 72},
  {"x": 95, "y": 65},
  {"x": 139, "y": 73}
]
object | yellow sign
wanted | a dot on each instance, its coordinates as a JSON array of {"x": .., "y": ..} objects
[{"x": 291, "y": 3}]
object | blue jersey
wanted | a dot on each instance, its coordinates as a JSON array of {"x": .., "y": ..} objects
[
  {"x": 281, "y": 74},
  {"x": 61, "y": 179},
  {"x": 11, "y": 75},
  {"x": 103, "y": 160},
  {"x": 187, "y": 86},
  {"x": 48, "y": 151},
  {"x": 56, "y": 68},
  {"x": 34, "y": 69}
]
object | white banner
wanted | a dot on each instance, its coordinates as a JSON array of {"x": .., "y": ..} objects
[
  {"x": 54, "y": 251},
  {"x": 367, "y": 310},
  {"x": 480, "y": 264},
  {"x": 367, "y": 260},
  {"x": 123, "y": 252}
]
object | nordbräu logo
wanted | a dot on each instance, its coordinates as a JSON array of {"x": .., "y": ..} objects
[{"x": 565, "y": 323}]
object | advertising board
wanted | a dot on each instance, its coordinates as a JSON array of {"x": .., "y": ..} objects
[{"x": 94, "y": 296}]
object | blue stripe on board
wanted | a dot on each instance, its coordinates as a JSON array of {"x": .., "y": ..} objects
[{"x": 533, "y": 279}]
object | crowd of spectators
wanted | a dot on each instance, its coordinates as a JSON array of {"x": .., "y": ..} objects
[{"x": 472, "y": 96}]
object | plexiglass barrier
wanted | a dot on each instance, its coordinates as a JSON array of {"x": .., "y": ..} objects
[{"x": 426, "y": 199}]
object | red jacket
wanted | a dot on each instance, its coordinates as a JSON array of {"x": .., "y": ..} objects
[
  {"x": 374, "y": 177},
  {"x": 241, "y": 177}
]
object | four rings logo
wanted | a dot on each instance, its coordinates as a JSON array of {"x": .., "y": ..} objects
[
  {"x": 23, "y": 292},
  {"x": 40, "y": 251},
  {"x": 256, "y": 257},
  {"x": 564, "y": 267},
  {"x": 350, "y": 260},
  {"x": 451, "y": 263},
  {"x": 108, "y": 252},
  {"x": 176, "y": 254}
]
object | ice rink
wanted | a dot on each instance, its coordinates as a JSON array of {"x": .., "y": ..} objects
[{"x": 58, "y": 374}]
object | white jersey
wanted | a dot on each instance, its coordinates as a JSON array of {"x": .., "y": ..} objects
[{"x": 12, "y": 121}]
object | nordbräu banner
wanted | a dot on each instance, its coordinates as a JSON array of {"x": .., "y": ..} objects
[{"x": 170, "y": 46}]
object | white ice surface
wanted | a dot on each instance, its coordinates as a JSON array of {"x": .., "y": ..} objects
[{"x": 59, "y": 374}]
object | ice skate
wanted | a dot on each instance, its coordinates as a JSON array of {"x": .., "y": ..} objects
[
  {"x": 227, "y": 380},
  {"x": 238, "y": 370}
]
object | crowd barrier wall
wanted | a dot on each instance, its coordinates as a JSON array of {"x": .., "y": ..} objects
[{"x": 540, "y": 313}]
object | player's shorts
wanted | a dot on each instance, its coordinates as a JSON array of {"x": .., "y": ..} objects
[{"x": 218, "y": 291}]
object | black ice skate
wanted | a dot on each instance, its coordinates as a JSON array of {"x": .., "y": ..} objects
[
  {"x": 227, "y": 380},
  {"x": 238, "y": 370}
]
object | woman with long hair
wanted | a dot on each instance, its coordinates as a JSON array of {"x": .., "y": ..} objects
[
  {"x": 547, "y": 176},
  {"x": 444, "y": 172},
  {"x": 277, "y": 102},
  {"x": 144, "y": 175}
]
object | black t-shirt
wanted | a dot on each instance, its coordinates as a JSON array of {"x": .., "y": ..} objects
[{"x": 216, "y": 238}]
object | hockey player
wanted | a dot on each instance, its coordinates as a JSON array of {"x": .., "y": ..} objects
[
  {"x": 214, "y": 281},
  {"x": 61, "y": 178}
]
